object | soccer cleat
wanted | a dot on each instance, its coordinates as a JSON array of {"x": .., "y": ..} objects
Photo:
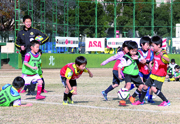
[
  {"x": 138, "y": 103},
  {"x": 150, "y": 101},
  {"x": 65, "y": 103},
  {"x": 104, "y": 95},
  {"x": 164, "y": 103},
  {"x": 70, "y": 100},
  {"x": 23, "y": 91},
  {"x": 122, "y": 102},
  {"x": 131, "y": 99},
  {"x": 45, "y": 91},
  {"x": 40, "y": 97}
]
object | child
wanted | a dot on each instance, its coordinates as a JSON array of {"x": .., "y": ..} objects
[
  {"x": 9, "y": 95},
  {"x": 169, "y": 73},
  {"x": 158, "y": 73},
  {"x": 172, "y": 65},
  {"x": 144, "y": 70},
  {"x": 33, "y": 84},
  {"x": 69, "y": 73},
  {"x": 131, "y": 71},
  {"x": 116, "y": 80},
  {"x": 176, "y": 74},
  {"x": 30, "y": 68}
]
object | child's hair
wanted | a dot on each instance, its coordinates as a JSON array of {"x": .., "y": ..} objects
[
  {"x": 33, "y": 42},
  {"x": 27, "y": 17},
  {"x": 18, "y": 82},
  {"x": 80, "y": 60},
  {"x": 40, "y": 51},
  {"x": 176, "y": 66},
  {"x": 157, "y": 40},
  {"x": 144, "y": 40},
  {"x": 173, "y": 60},
  {"x": 132, "y": 45},
  {"x": 125, "y": 44}
]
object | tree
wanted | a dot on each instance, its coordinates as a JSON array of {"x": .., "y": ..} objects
[{"x": 7, "y": 18}]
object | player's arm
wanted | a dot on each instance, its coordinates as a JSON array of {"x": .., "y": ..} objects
[
  {"x": 142, "y": 59},
  {"x": 45, "y": 36},
  {"x": 68, "y": 75},
  {"x": 164, "y": 57},
  {"x": 18, "y": 43},
  {"x": 17, "y": 103},
  {"x": 90, "y": 74},
  {"x": 26, "y": 60},
  {"x": 122, "y": 64}
]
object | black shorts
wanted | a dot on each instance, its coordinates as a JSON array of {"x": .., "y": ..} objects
[
  {"x": 170, "y": 76},
  {"x": 135, "y": 79},
  {"x": 116, "y": 79},
  {"x": 151, "y": 82},
  {"x": 73, "y": 83}
]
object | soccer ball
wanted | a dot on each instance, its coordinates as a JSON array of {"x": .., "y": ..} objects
[
  {"x": 123, "y": 93},
  {"x": 39, "y": 38}
]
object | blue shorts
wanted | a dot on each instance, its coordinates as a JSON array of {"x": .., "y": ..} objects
[
  {"x": 116, "y": 79},
  {"x": 144, "y": 76}
]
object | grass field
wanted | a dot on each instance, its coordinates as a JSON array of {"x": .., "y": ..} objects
[{"x": 89, "y": 105}]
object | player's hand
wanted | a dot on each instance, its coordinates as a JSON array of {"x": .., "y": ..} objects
[
  {"x": 34, "y": 68},
  {"x": 23, "y": 48},
  {"x": 135, "y": 57},
  {"x": 90, "y": 75},
  {"x": 101, "y": 64},
  {"x": 120, "y": 76},
  {"x": 143, "y": 61},
  {"x": 29, "y": 104},
  {"x": 161, "y": 53}
]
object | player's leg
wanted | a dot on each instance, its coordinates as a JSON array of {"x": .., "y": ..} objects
[
  {"x": 115, "y": 83},
  {"x": 39, "y": 87},
  {"x": 157, "y": 90},
  {"x": 65, "y": 102},
  {"x": 144, "y": 91},
  {"x": 43, "y": 86},
  {"x": 74, "y": 86}
]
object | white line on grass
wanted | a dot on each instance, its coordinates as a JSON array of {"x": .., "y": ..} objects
[{"x": 103, "y": 108}]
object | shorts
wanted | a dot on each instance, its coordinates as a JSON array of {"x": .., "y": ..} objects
[
  {"x": 116, "y": 79},
  {"x": 73, "y": 83},
  {"x": 170, "y": 76},
  {"x": 28, "y": 79},
  {"x": 135, "y": 79},
  {"x": 151, "y": 82}
]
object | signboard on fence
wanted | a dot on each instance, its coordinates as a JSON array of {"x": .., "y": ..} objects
[
  {"x": 176, "y": 43},
  {"x": 95, "y": 44},
  {"x": 115, "y": 42},
  {"x": 67, "y": 41}
]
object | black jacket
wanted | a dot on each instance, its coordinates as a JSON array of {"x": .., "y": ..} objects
[{"x": 25, "y": 36}]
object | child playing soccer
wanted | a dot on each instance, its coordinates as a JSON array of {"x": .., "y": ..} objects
[
  {"x": 9, "y": 95},
  {"x": 158, "y": 73},
  {"x": 144, "y": 70},
  {"x": 131, "y": 71},
  {"x": 116, "y": 80},
  {"x": 30, "y": 68},
  {"x": 69, "y": 73}
]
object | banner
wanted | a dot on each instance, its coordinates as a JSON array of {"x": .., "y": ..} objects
[
  {"x": 175, "y": 43},
  {"x": 67, "y": 41},
  {"x": 115, "y": 42},
  {"x": 95, "y": 44}
]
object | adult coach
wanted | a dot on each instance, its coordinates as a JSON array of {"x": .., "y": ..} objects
[{"x": 25, "y": 36}]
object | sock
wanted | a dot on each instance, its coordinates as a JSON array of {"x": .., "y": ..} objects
[
  {"x": 140, "y": 95},
  {"x": 147, "y": 94},
  {"x": 109, "y": 89},
  {"x": 25, "y": 87},
  {"x": 65, "y": 97},
  {"x": 29, "y": 88},
  {"x": 132, "y": 86},
  {"x": 160, "y": 94},
  {"x": 70, "y": 95},
  {"x": 39, "y": 88},
  {"x": 43, "y": 85},
  {"x": 143, "y": 95},
  {"x": 33, "y": 86},
  {"x": 150, "y": 97},
  {"x": 137, "y": 92}
]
